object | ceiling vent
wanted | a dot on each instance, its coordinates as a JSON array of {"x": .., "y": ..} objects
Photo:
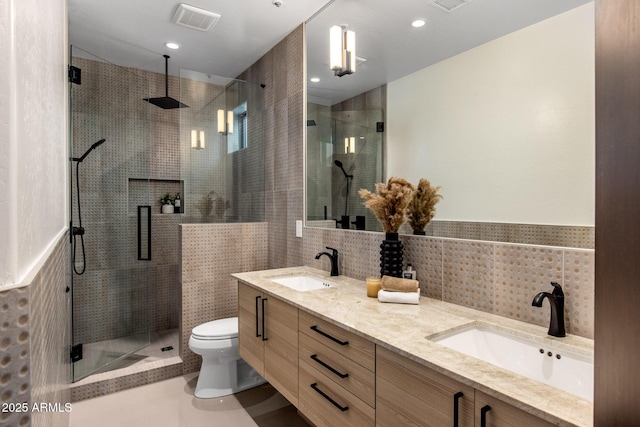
[
  {"x": 449, "y": 5},
  {"x": 194, "y": 17}
]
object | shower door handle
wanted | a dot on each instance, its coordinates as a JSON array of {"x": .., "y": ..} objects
[{"x": 146, "y": 254}]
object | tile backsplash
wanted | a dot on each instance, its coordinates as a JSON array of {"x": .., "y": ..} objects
[{"x": 494, "y": 277}]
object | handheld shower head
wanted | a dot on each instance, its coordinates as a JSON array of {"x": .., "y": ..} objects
[
  {"x": 338, "y": 163},
  {"x": 86, "y": 153},
  {"x": 97, "y": 144}
]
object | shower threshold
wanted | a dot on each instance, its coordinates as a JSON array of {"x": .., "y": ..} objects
[{"x": 162, "y": 351}]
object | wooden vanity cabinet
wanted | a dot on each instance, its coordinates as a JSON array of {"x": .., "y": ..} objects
[
  {"x": 337, "y": 374},
  {"x": 411, "y": 394},
  {"x": 491, "y": 412},
  {"x": 268, "y": 339}
]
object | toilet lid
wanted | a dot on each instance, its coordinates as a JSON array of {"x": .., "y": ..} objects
[{"x": 217, "y": 329}]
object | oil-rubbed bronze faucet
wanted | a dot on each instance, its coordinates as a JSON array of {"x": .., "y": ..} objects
[
  {"x": 556, "y": 300},
  {"x": 334, "y": 260}
]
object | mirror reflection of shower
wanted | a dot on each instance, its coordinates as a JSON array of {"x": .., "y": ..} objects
[
  {"x": 344, "y": 221},
  {"x": 79, "y": 230}
]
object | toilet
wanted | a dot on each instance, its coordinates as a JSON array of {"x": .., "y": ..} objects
[{"x": 222, "y": 371}]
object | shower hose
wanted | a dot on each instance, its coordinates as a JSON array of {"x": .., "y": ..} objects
[{"x": 78, "y": 231}]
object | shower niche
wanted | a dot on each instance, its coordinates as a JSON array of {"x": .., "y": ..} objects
[{"x": 142, "y": 190}]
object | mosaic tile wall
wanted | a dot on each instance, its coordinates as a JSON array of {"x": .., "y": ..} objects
[
  {"x": 34, "y": 344},
  {"x": 498, "y": 278},
  {"x": 531, "y": 234},
  {"x": 281, "y": 70},
  {"x": 210, "y": 254}
]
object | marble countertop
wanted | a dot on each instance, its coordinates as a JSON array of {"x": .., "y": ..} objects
[{"x": 405, "y": 328}]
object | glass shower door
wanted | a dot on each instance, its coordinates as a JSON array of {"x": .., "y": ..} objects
[{"x": 110, "y": 214}]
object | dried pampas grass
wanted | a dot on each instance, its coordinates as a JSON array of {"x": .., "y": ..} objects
[
  {"x": 421, "y": 208},
  {"x": 390, "y": 202}
]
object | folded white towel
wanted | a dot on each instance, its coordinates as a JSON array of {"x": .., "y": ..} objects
[{"x": 399, "y": 297}]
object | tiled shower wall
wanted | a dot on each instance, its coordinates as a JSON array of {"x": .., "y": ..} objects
[
  {"x": 110, "y": 247},
  {"x": 281, "y": 70},
  {"x": 210, "y": 254},
  {"x": 498, "y": 278},
  {"x": 34, "y": 351}
]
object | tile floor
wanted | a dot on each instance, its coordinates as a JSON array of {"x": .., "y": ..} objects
[{"x": 171, "y": 403}]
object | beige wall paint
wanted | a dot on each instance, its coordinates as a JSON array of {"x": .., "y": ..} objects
[{"x": 501, "y": 125}]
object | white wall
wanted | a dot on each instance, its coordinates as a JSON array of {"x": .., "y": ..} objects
[
  {"x": 507, "y": 129},
  {"x": 33, "y": 135}
]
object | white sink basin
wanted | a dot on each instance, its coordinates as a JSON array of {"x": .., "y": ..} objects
[
  {"x": 302, "y": 283},
  {"x": 548, "y": 364}
]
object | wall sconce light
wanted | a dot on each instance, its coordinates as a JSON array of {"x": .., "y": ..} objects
[
  {"x": 197, "y": 139},
  {"x": 342, "y": 56},
  {"x": 350, "y": 145},
  {"x": 225, "y": 126}
]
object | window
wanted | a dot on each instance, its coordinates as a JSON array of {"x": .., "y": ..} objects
[{"x": 239, "y": 139}]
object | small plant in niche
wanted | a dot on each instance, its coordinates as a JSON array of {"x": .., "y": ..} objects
[{"x": 167, "y": 199}]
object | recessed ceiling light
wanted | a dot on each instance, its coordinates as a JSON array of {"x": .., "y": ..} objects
[
  {"x": 418, "y": 23},
  {"x": 172, "y": 45},
  {"x": 314, "y": 79}
]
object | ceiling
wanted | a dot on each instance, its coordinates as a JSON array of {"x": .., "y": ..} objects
[{"x": 132, "y": 33}]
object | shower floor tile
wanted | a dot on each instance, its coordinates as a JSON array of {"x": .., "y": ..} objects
[
  {"x": 151, "y": 356},
  {"x": 171, "y": 403}
]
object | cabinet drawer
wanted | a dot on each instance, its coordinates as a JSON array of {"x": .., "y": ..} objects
[
  {"x": 350, "y": 345},
  {"x": 343, "y": 371},
  {"x": 411, "y": 394},
  {"x": 325, "y": 403}
]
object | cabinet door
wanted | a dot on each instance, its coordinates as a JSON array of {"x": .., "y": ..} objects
[
  {"x": 281, "y": 347},
  {"x": 501, "y": 414},
  {"x": 410, "y": 394},
  {"x": 250, "y": 344}
]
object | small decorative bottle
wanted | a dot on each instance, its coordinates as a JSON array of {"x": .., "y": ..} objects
[
  {"x": 409, "y": 273},
  {"x": 177, "y": 203}
]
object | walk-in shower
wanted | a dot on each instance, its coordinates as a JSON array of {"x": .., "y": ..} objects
[
  {"x": 210, "y": 154},
  {"x": 110, "y": 285},
  {"x": 344, "y": 153}
]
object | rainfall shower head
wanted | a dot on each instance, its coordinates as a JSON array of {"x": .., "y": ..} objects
[
  {"x": 86, "y": 153},
  {"x": 166, "y": 102},
  {"x": 338, "y": 163}
]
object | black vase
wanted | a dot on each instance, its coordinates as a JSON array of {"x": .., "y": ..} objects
[{"x": 391, "y": 251}]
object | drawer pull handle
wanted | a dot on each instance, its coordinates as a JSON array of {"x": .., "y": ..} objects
[
  {"x": 456, "y": 398},
  {"x": 264, "y": 333},
  {"x": 258, "y": 334},
  {"x": 331, "y": 368},
  {"x": 483, "y": 415},
  {"x": 333, "y": 402},
  {"x": 324, "y": 334}
]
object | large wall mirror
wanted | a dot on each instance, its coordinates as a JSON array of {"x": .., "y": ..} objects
[{"x": 493, "y": 100}]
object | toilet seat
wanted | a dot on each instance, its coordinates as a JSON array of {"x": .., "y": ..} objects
[{"x": 220, "y": 329}]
